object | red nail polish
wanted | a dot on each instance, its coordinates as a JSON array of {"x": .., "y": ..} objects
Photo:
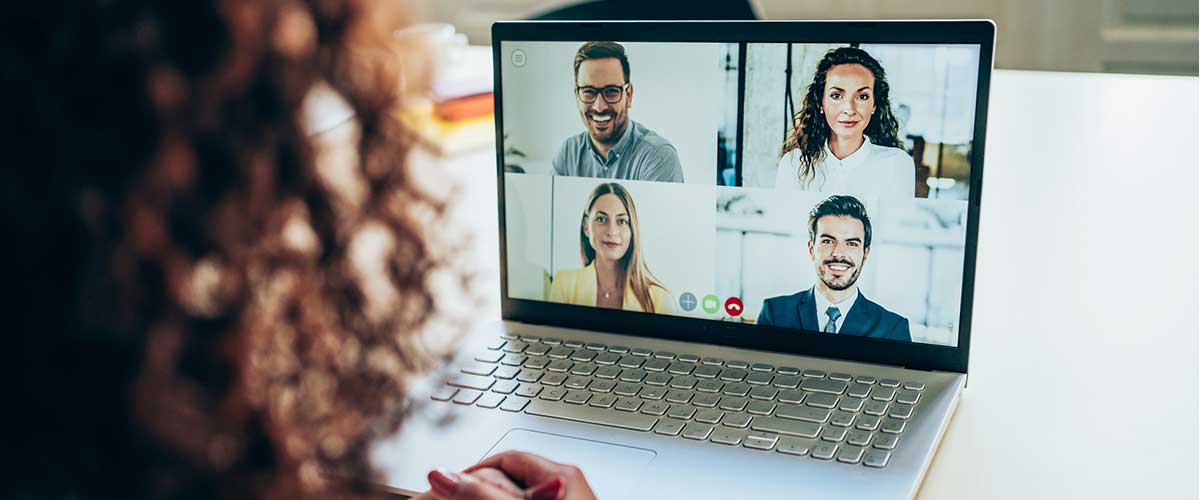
[
  {"x": 548, "y": 490},
  {"x": 442, "y": 483}
]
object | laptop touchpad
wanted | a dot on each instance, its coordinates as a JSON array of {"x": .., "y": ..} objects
[{"x": 611, "y": 469}]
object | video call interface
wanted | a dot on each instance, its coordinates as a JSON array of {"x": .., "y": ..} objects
[{"x": 821, "y": 187}]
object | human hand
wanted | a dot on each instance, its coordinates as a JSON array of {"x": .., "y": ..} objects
[
  {"x": 486, "y": 483},
  {"x": 529, "y": 469}
]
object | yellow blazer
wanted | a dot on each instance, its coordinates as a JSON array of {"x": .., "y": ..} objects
[{"x": 578, "y": 286}]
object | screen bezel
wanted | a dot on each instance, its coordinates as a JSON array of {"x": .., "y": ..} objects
[{"x": 776, "y": 339}]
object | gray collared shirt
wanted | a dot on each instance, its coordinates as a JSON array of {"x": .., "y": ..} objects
[{"x": 639, "y": 155}]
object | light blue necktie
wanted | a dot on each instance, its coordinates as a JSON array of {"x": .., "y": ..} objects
[{"x": 833, "y": 313}]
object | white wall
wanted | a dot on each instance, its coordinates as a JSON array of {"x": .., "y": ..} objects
[
  {"x": 677, "y": 93},
  {"x": 527, "y": 207},
  {"x": 676, "y": 222}
]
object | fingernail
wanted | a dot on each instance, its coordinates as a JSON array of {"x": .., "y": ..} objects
[
  {"x": 443, "y": 483},
  {"x": 548, "y": 490}
]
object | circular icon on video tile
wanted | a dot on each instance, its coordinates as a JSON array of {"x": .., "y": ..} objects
[
  {"x": 711, "y": 304},
  {"x": 687, "y": 301},
  {"x": 518, "y": 58},
  {"x": 733, "y": 306}
]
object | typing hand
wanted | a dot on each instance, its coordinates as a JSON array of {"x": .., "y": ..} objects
[
  {"x": 566, "y": 482},
  {"x": 486, "y": 483}
]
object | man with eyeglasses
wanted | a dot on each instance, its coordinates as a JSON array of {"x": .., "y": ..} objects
[{"x": 614, "y": 146}]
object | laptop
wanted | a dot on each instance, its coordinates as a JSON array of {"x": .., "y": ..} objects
[{"x": 737, "y": 258}]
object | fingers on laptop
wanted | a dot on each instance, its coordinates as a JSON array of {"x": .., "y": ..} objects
[
  {"x": 445, "y": 485},
  {"x": 530, "y": 469}
]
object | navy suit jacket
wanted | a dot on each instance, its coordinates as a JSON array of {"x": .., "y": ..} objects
[{"x": 865, "y": 319}]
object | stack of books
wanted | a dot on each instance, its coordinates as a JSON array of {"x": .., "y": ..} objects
[{"x": 459, "y": 115}]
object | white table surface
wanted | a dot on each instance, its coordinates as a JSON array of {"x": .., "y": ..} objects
[{"x": 1083, "y": 375}]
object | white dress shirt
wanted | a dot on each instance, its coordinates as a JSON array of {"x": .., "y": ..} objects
[
  {"x": 823, "y": 305},
  {"x": 872, "y": 171}
]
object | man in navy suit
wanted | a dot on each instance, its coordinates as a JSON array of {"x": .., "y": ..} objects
[{"x": 839, "y": 241}]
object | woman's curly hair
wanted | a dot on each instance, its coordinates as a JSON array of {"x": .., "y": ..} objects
[
  {"x": 810, "y": 132},
  {"x": 213, "y": 301}
]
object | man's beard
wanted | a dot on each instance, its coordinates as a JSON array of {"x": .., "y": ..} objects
[
  {"x": 618, "y": 124},
  {"x": 830, "y": 281}
]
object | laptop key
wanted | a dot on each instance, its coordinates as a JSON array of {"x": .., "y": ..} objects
[
  {"x": 862, "y": 379},
  {"x": 627, "y": 389},
  {"x": 513, "y": 359},
  {"x": 908, "y": 397},
  {"x": 552, "y": 341},
  {"x": 759, "y": 378},
  {"x": 709, "y": 416},
  {"x": 866, "y": 422},
  {"x": 787, "y": 381},
  {"x": 634, "y": 376},
  {"x": 786, "y": 427},
  {"x": 532, "y": 339},
  {"x": 683, "y": 382},
  {"x": 697, "y": 431},
  {"x": 528, "y": 390},
  {"x": 586, "y": 414},
  {"x": 764, "y": 393},
  {"x": 706, "y": 400},
  {"x": 602, "y": 386},
  {"x": 760, "y": 407},
  {"x": 628, "y": 404},
  {"x": 737, "y": 364},
  {"x": 872, "y": 407},
  {"x": 641, "y": 351},
  {"x": 883, "y": 394},
  {"x": 688, "y": 358},
  {"x": 577, "y": 397},
  {"x": 794, "y": 446},
  {"x": 554, "y": 379},
  {"x": 850, "y": 454},
  {"x": 560, "y": 352},
  {"x": 710, "y": 386},
  {"x": 713, "y": 361},
  {"x": 893, "y": 426},
  {"x": 514, "y": 404},
  {"x": 560, "y": 365},
  {"x": 736, "y": 389},
  {"x": 553, "y": 393},
  {"x": 657, "y": 408},
  {"x": 876, "y": 458},
  {"x": 680, "y": 368},
  {"x": 489, "y": 356},
  {"x": 886, "y": 441},
  {"x": 843, "y": 377},
  {"x": 584, "y": 369},
  {"x": 656, "y": 365},
  {"x": 536, "y": 362},
  {"x": 577, "y": 382},
  {"x": 607, "y": 359},
  {"x": 603, "y": 401},
  {"x": 824, "y": 451},
  {"x": 841, "y": 419},
  {"x": 814, "y": 374},
  {"x": 659, "y": 379},
  {"x": 505, "y": 386},
  {"x": 572, "y": 343},
  {"x": 733, "y": 374},
  {"x": 804, "y": 413},
  {"x": 537, "y": 350},
  {"x": 828, "y": 401},
  {"x": 726, "y": 437},
  {"x": 470, "y": 381},
  {"x": 707, "y": 371},
  {"x": 619, "y": 349},
  {"x": 858, "y": 390},
  {"x": 793, "y": 396},
  {"x": 630, "y": 361},
  {"x": 682, "y": 412},
  {"x": 583, "y": 356},
  {"x": 858, "y": 437},
  {"x": 679, "y": 396},
  {"x": 444, "y": 393},
  {"x": 760, "y": 441},
  {"x": 852, "y": 405},
  {"x": 496, "y": 344},
  {"x": 668, "y": 427},
  {"x": 901, "y": 411},
  {"x": 833, "y": 434},
  {"x": 914, "y": 386},
  {"x": 888, "y": 382},
  {"x": 514, "y": 346},
  {"x": 529, "y": 376},
  {"x": 733, "y": 404},
  {"x": 607, "y": 372},
  {"x": 788, "y": 370},
  {"x": 762, "y": 367},
  {"x": 823, "y": 386},
  {"x": 653, "y": 393},
  {"x": 466, "y": 396},
  {"x": 737, "y": 420},
  {"x": 664, "y": 354},
  {"x": 596, "y": 346}
]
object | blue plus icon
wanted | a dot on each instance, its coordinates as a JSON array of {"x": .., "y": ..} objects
[{"x": 687, "y": 301}]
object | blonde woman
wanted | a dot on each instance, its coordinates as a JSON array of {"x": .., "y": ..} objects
[{"x": 614, "y": 273}]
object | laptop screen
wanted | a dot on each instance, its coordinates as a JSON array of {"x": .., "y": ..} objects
[{"x": 816, "y": 187}]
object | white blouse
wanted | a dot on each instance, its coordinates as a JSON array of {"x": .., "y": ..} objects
[{"x": 875, "y": 171}]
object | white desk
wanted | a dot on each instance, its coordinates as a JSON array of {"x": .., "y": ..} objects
[{"x": 1083, "y": 375}]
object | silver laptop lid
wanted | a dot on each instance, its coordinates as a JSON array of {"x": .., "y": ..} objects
[{"x": 806, "y": 187}]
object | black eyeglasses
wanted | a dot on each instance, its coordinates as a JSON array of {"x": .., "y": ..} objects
[{"x": 612, "y": 93}]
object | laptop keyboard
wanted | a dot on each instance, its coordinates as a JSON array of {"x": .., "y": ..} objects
[{"x": 827, "y": 416}]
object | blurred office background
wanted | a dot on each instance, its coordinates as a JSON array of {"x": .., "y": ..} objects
[{"x": 1112, "y": 36}]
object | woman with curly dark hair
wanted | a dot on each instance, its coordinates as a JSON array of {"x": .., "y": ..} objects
[
  {"x": 843, "y": 140},
  {"x": 213, "y": 301}
]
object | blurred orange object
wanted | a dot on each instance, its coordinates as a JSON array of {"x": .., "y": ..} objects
[{"x": 466, "y": 107}]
